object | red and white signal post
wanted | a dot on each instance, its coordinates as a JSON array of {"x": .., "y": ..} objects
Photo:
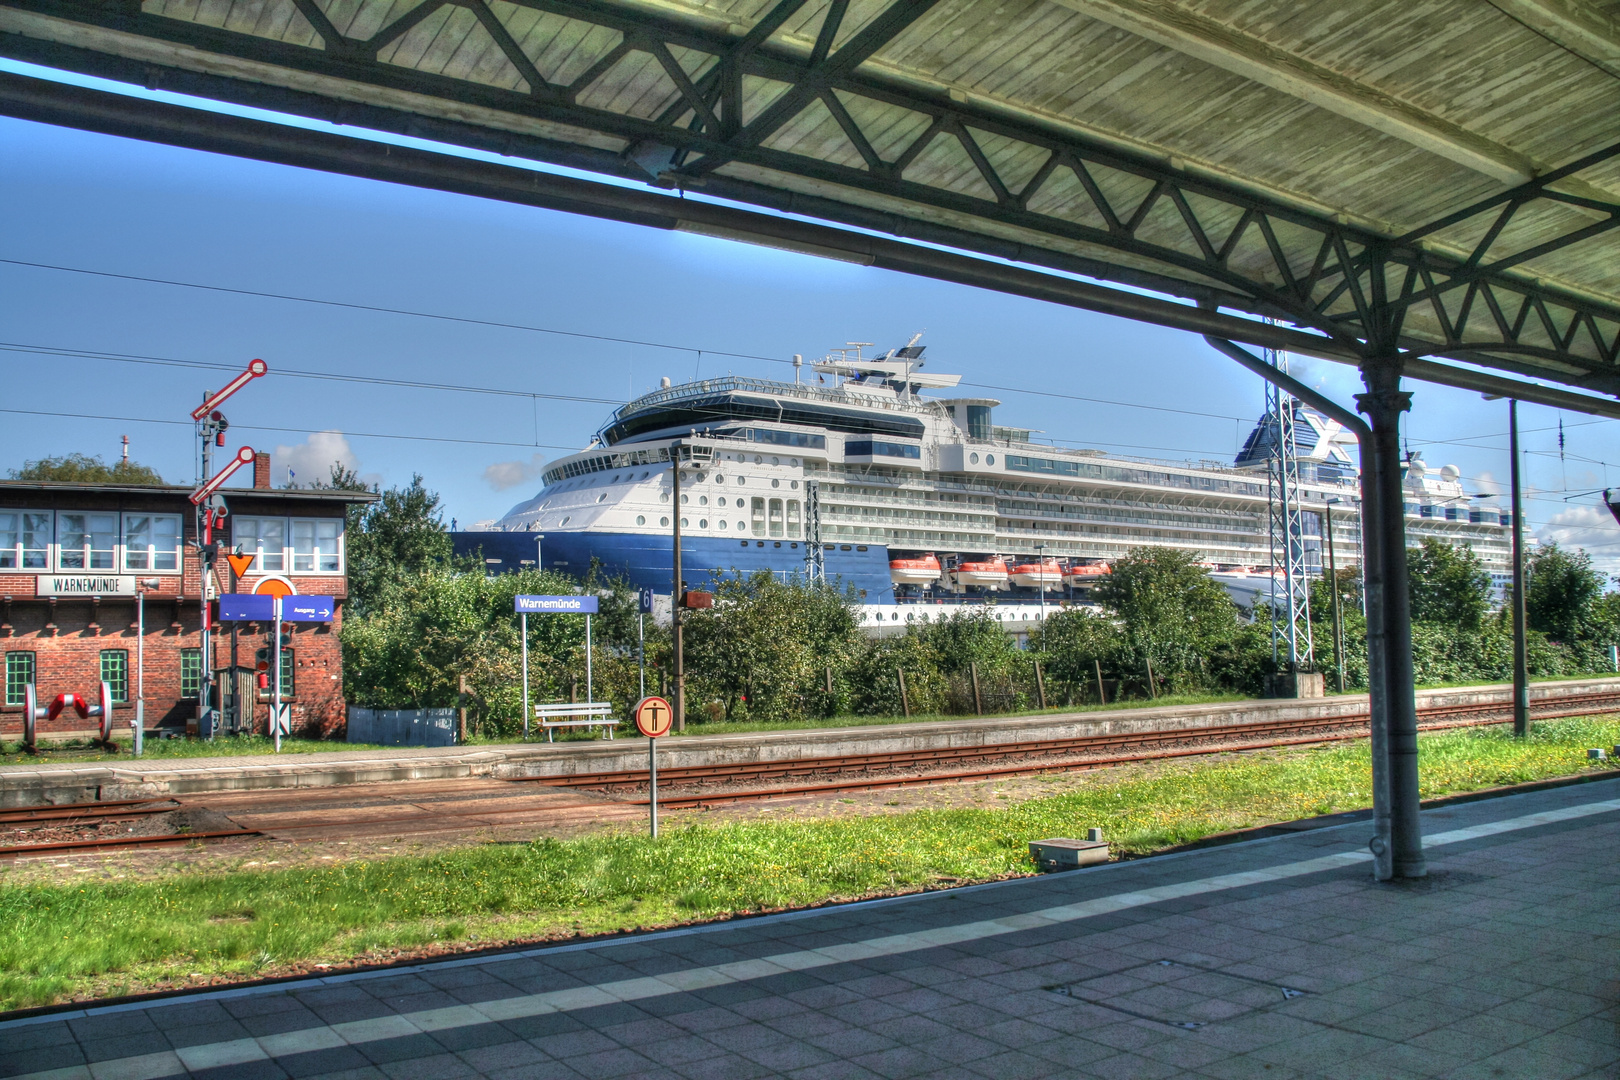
[{"x": 653, "y": 718}]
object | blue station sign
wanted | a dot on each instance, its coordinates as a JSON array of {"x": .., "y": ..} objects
[
  {"x": 307, "y": 608},
  {"x": 246, "y": 607},
  {"x": 556, "y": 605}
]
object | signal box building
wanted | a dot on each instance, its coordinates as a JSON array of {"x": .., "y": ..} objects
[{"x": 74, "y": 556}]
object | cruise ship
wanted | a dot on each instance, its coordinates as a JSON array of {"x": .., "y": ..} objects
[{"x": 913, "y": 495}]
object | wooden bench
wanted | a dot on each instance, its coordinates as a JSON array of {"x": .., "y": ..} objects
[{"x": 585, "y": 713}]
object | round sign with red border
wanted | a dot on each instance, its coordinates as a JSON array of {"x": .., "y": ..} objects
[{"x": 654, "y": 716}]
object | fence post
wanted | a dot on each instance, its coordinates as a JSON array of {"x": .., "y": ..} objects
[
  {"x": 978, "y": 703},
  {"x": 829, "y": 680},
  {"x": 461, "y": 710},
  {"x": 1153, "y": 691},
  {"x": 905, "y": 702},
  {"x": 1040, "y": 686},
  {"x": 573, "y": 689},
  {"x": 1102, "y": 692}
]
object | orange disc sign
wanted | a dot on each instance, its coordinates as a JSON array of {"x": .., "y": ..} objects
[{"x": 654, "y": 717}]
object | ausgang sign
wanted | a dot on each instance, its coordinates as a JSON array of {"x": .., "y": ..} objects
[
  {"x": 84, "y": 585},
  {"x": 556, "y": 605}
]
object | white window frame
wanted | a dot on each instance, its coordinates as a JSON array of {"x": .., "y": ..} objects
[
  {"x": 288, "y": 553},
  {"x": 317, "y": 554},
  {"x": 19, "y": 554},
  {"x": 114, "y": 552},
  {"x": 258, "y": 553},
  {"x": 152, "y": 552}
]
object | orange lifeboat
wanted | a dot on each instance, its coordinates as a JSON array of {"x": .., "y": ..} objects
[
  {"x": 988, "y": 573},
  {"x": 1085, "y": 574},
  {"x": 1043, "y": 575},
  {"x": 923, "y": 571}
]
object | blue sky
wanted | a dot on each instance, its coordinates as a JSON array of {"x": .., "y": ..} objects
[{"x": 119, "y": 206}]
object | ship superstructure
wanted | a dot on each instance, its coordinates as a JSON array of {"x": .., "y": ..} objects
[{"x": 923, "y": 496}]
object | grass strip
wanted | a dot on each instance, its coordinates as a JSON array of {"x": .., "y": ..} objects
[
  {"x": 80, "y": 751},
  {"x": 99, "y": 938}
]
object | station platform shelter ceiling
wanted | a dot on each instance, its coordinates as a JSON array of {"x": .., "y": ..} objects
[{"x": 1365, "y": 178}]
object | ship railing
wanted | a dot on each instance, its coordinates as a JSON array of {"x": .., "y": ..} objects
[{"x": 771, "y": 386}]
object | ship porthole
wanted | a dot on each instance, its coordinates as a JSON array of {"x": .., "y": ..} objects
[
  {"x": 719, "y": 479},
  {"x": 756, "y": 459},
  {"x": 776, "y": 483},
  {"x": 663, "y": 521},
  {"x": 641, "y": 519},
  {"x": 703, "y": 523},
  {"x": 974, "y": 458},
  {"x": 564, "y": 521},
  {"x": 989, "y": 459},
  {"x": 794, "y": 484},
  {"x": 744, "y": 543},
  {"x": 683, "y": 523},
  {"x": 740, "y": 527},
  {"x": 776, "y": 461},
  {"x": 722, "y": 526}
]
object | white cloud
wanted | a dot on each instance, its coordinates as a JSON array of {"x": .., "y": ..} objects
[
  {"x": 1589, "y": 527},
  {"x": 507, "y": 474},
  {"x": 312, "y": 459}
]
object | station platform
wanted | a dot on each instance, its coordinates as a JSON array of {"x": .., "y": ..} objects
[
  {"x": 1277, "y": 958},
  {"x": 25, "y": 784}
]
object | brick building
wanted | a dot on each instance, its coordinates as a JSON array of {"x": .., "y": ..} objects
[{"x": 72, "y": 557}]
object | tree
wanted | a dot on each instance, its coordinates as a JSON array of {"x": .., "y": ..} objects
[
  {"x": 83, "y": 469},
  {"x": 1173, "y": 614},
  {"x": 765, "y": 645},
  {"x": 1447, "y": 584},
  {"x": 1561, "y": 592},
  {"x": 400, "y": 534}
]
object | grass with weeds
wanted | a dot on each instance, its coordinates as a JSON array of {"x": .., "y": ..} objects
[
  {"x": 95, "y": 938},
  {"x": 80, "y": 751}
]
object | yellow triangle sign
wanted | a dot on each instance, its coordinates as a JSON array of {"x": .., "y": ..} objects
[{"x": 240, "y": 564}]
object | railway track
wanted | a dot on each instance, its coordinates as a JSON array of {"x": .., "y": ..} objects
[
  {"x": 1084, "y": 752},
  {"x": 459, "y": 806}
]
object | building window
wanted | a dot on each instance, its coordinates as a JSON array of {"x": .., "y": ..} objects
[
  {"x": 315, "y": 545},
  {"x": 263, "y": 538},
  {"x": 190, "y": 673},
  {"x": 25, "y": 540},
  {"x": 151, "y": 542},
  {"x": 86, "y": 541},
  {"x": 19, "y": 673},
  {"x": 115, "y": 672}
]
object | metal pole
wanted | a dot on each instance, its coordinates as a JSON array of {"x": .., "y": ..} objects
[
  {"x": 1040, "y": 559},
  {"x": 652, "y": 774},
  {"x": 539, "y": 552},
  {"x": 1389, "y": 613},
  {"x": 524, "y": 630},
  {"x": 1333, "y": 581},
  {"x": 675, "y": 596},
  {"x": 140, "y": 670},
  {"x": 641, "y": 651},
  {"x": 275, "y": 697},
  {"x": 1521, "y": 672},
  {"x": 590, "y": 695}
]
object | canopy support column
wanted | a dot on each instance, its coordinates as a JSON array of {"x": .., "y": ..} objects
[{"x": 1398, "y": 841}]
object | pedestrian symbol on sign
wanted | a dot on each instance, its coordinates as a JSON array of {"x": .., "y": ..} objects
[{"x": 654, "y": 717}]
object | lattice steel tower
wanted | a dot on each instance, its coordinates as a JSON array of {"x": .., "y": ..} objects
[
  {"x": 1291, "y": 643},
  {"x": 815, "y": 556}
]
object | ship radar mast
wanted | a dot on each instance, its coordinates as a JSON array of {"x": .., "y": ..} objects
[{"x": 898, "y": 369}]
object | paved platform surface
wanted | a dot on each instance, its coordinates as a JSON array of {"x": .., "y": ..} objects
[
  {"x": 34, "y": 785},
  {"x": 1276, "y": 958}
]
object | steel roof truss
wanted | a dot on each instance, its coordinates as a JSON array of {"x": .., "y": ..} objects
[{"x": 1304, "y": 277}]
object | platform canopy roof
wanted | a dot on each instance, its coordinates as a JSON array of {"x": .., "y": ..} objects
[{"x": 1435, "y": 177}]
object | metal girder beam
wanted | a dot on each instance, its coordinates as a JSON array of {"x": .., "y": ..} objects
[
  {"x": 1580, "y": 26},
  {"x": 1222, "y": 45},
  {"x": 50, "y": 102},
  {"x": 1130, "y": 218}
]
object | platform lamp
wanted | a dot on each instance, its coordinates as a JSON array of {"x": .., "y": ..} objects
[
  {"x": 141, "y": 585},
  {"x": 539, "y": 550},
  {"x": 1333, "y": 593}
]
